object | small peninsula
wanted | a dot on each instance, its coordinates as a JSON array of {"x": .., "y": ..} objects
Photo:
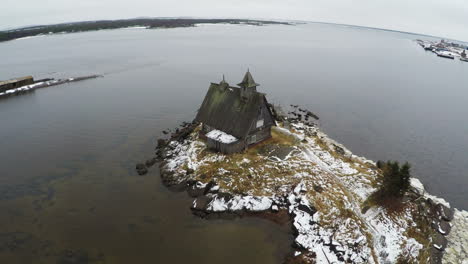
[
  {"x": 148, "y": 23},
  {"x": 296, "y": 175}
]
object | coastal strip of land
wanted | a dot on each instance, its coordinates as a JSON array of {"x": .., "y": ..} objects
[
  {"x": 445, "y": 49},
  {"x": 149, "y": 23},
  {"x": 43, "y": 84}
]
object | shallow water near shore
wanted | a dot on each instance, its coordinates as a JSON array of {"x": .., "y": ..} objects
[{"x": 68, "y": 189}]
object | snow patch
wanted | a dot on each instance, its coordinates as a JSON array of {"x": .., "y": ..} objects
[
  {"x": 417, "y": 184},
  {"x": 237, "y": 203},
  {"x": 221, "y": 136}
]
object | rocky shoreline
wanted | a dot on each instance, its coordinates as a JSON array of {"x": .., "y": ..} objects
[{"x": 357, "y": 234}]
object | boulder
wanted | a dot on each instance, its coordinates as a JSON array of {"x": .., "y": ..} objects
[
  {"x": 183, "y": 133},
  {"x": 200, "y": 206},
  {"x": 150, "y": 162},
  {"x": 167, "y": 177},
  {"x": 444, "y": 212},
  {"x": 197, "y": 189},
  {"x": 436, "y": 256},
  {"x": 225, "y": 196},
  {"x": 178, "y": 187},
  {"x": 164, "y": 154},
  {"x": 201, "y": 203},
  {"x": 439, "y": 242},
  {"x": 312, "y": 115},
  {"x": 141, "y": 169},
  {"x": 339, "y": 150},
  {"x": 430, "y": 202},
  {"x": 444, "y": 227},
  {"x": 161, "y": 143},
  {"x": 308, "y": 209},
  {"x": 211, "y": 187}
]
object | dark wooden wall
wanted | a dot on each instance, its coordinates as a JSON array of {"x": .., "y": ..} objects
[
  {"x": 17, "y": 84},
  {"x": 225, "y": 148}
]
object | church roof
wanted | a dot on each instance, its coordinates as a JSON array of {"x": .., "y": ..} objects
[
  {"x": 248, "y": 81},
  {"x": 224, "y": 109}
]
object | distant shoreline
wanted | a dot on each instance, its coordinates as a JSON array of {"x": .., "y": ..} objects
[{"x": 148, "y": 23}]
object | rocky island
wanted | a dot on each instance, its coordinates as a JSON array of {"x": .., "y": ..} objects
[{"x": 299, "y": 176}]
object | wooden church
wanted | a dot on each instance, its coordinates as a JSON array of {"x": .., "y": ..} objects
[{"x": 234, "y": 118}]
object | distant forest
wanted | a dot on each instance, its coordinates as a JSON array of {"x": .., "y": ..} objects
[{"x": 122, "y": 23}]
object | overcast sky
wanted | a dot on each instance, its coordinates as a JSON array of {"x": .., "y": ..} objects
[{"x": 445, "y": 18}]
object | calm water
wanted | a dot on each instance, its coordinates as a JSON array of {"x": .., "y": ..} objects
[{"x": 68, "y": 190}]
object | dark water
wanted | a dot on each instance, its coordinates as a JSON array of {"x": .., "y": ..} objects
[{"x": 68, "y": 190}]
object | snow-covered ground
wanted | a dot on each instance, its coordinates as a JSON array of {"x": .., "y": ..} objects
[
  {"x": 457, "y": 248},
  {"x": 323, "y": 186},
  {"x": 22, "y": 89}
]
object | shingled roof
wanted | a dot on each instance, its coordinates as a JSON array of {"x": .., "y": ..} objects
[{"x": 224, "y": 109}]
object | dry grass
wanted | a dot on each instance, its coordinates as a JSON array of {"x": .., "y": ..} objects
[
  {"x": 254, "y": 173},
  {"x": 249, "y": 172},
  {"x": 281, "y": 138},
  {"x": 422, "y": 232}
]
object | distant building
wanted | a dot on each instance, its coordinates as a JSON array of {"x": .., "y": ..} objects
[
  {"x": 234, "y": 118},
  {"x": 15, "y": 83}
]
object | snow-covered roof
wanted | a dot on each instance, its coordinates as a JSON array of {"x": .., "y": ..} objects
[{"x": 221, "y": 136}]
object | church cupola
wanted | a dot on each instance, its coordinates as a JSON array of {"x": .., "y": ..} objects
[{"x": 248, "y": 85}]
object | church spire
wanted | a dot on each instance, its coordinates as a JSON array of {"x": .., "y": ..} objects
[
  {"x": 223, "y": 84},
  {"x": 248, "y": 81}
]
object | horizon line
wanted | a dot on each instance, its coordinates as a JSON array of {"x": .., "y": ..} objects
[{"x": 258, "y": 19}]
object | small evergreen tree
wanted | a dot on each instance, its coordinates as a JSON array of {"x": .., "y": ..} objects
[
  {"x": 404, "y": 178},
  {"x": 396, "y": 180}
]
